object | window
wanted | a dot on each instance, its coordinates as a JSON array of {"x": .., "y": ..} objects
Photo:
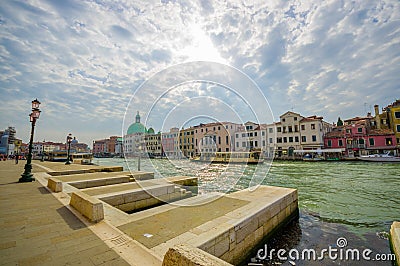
[
  {"x": 271, "y": 130},
  {"x": 263, "y": 143},
  {"x": 227, "y": 140},
  {"x": 397, "y": 115},
  {"x": 329, "y": 143},
  {"x": 290, "y": 129},
  {"x": 256, "y": 143},
  {"x": 219, "y": 139},
  {"x": 279, "y": 140},
  {"x": 279, "y": 129},
  {"x": 237, "y": 136},
  {"x": 303, "y": 139},
  {"x": 398, "y": 128},
  {"x": 388, "y": 141},
  {"x": 312, "y": 126},
  {"x": 296, "y": 128},
  {"x": 290, "y": 139},
  {"x": 303, "y": 127},
  {"x": 255, "y": 134},
  {"x": 219, "y": 128},
  {"x": 371, "y": 142},
  {"x": 285, "y": 139},
  {"x": 237, "y": 144},
  {"x": 243, "y": 135},
  {"x": 284, "y": 129},
  {"x": 243, "y": 144},
  {"x": 361, "y": 141},
  {"x": 314, "y": 138},
  {"x": 359, "y": 130},
  {"x": 270, "y": 140},
  {"x": 283, "y": 119},
  {"x": 340, "y": 142},
  {"x": 251, "y": 134},
  {"x": 296, "y": 139},
  {"x": 263, "y": 133}
]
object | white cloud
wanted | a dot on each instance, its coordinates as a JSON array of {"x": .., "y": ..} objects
[{"x": 87, "y": 58}]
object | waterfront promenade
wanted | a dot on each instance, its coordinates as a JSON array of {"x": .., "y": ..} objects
[{"x": 37, "y": 229}]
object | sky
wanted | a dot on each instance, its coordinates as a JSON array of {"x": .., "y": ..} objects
[{"x": 87, "y": 62}]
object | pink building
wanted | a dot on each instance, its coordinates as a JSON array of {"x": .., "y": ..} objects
[
  {"x": 170, "y": 143},
  {"x": 358, "y": 137}
]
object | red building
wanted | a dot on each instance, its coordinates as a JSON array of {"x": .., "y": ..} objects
[{"x": 358, "y": 136}]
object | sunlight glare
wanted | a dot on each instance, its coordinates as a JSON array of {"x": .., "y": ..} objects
[{"x": 201, "y": 48}]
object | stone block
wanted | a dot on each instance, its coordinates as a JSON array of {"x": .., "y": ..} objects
[
  {"x": 395, "y": 240},
  {"x": 245, "y": 229},
  {"x": 88, "y": 206},
  {"x": 114, "y": 200},
  {"x": 221, "y": 246},
  {"x": 190, "y": 256},
  {"x": 127, "y": 207},
  {"x": 54, "y": 184}
]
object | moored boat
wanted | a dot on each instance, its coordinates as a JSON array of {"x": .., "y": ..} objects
[
  {"x": 252, "y": 157},
  {"x": 386, "y": 157}
]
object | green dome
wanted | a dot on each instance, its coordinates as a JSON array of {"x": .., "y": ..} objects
[
  {"x": 136, "y": 128},
  {"x": 150, "y": 131}
]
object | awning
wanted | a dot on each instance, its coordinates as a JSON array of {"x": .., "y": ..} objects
[{"x": 320, "y": 150}]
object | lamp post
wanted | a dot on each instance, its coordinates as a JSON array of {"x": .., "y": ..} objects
[
  {"x": 140, "y": 154},
  {"x": 69, "y": 140},
  {"x": 42, "y": 160},
  {"x": 27, "y": 175}
]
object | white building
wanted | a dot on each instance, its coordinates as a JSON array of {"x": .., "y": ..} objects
[
  {"x": 251, "y": 136},
  {"x": 296, "y": 132}
]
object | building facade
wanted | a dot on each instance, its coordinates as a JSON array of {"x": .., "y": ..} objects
[
  {"x": 296, "y": 132},
  {"x": 215, "y": 137},
  {"x": 170, "y": 143}
]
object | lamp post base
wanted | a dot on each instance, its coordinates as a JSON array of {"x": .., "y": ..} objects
[
  {"x": 67, "y": 162},
  {"x": 26, "y": 178}
]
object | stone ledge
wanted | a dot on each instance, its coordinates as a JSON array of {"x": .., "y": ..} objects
[
  {"x": 190, "y": 256},
  {"x": 55, "y": 184},
  {"x": 88, "y": 206},
  {"x": 395, "y": 240}
]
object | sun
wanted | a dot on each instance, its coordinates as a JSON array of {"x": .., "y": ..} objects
[{"x": 201, "y": 48}]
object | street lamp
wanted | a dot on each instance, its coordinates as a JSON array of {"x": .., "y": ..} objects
[
  {"x": 27, "y": 175},
  {"x": 140, "y": 151},
  {"x": 42, "y": 160},
  {"x": 69, "y": 140}
]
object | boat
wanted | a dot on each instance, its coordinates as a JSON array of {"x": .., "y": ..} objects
[
  {"x": 309, "y": 157},
  {"x": 251, "y": 157},
  {"x": 385, "y": 157}
]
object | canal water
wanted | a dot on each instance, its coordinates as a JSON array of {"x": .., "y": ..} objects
[{"x": 352, "y": 201}]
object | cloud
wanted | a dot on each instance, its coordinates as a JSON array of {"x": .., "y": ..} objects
[{"x": 87, "y": 58}]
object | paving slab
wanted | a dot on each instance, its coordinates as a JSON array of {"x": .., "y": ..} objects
[
  {"x": 171, "y": 223},
  {"x": 36, "y": 229}
]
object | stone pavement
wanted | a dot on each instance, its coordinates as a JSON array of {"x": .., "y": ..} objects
[{"x": 36, "y": 229}]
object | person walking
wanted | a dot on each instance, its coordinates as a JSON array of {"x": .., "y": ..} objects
[{"x": 16, "y": 158}]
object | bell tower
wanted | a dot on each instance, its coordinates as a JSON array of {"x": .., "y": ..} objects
[{"x": 137, "y": 117}]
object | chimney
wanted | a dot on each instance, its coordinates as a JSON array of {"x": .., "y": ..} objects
[
  {"x": 376, "y": 107},
  {"x": 377, "y": 117}
]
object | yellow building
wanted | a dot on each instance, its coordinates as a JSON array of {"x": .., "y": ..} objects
[
  {"x": 393, "y": 117},
  {"x": 389, "y": 119},
  {"x": 186, "y": 142}
]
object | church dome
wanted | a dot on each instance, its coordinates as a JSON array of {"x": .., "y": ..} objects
[
  {"x": 150, "y": 131},
  {"x": 136, "y": 127}
]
